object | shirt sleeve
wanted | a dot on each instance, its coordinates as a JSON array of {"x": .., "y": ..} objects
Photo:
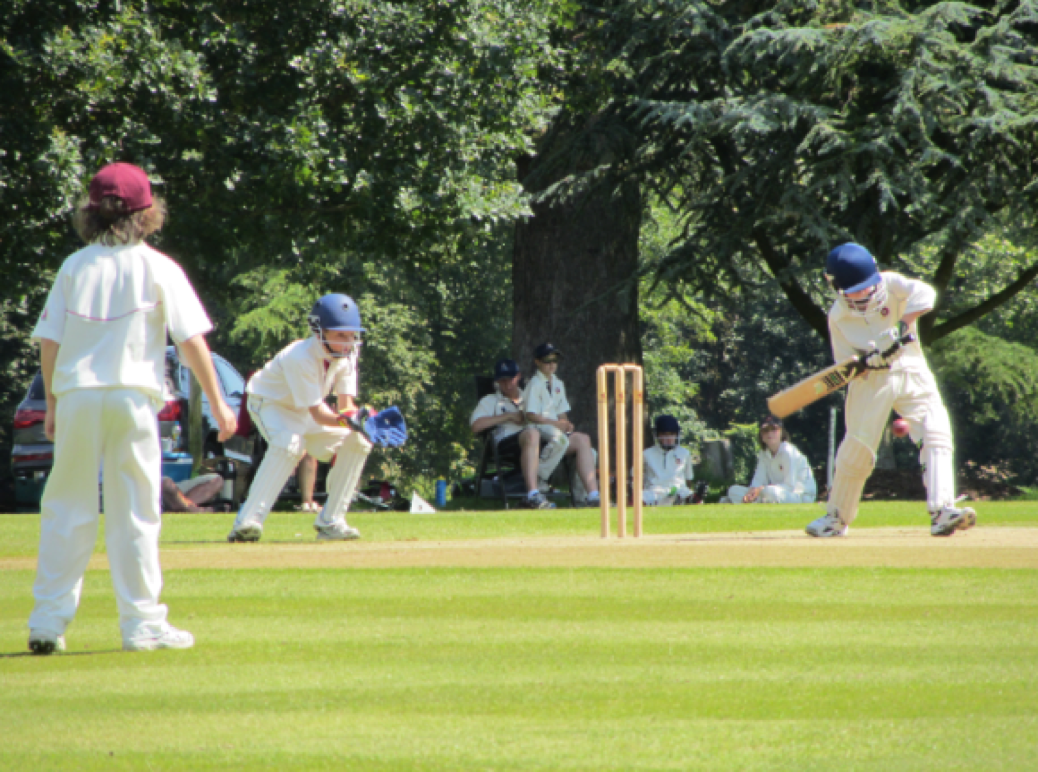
[
  {"x": 183, "y": 312},
  {"x": 760, "y": 476},
  {"x": 51, "y": 324},
  {"x": 648, "y": 475},
  {"x": 919, "y": 296},
  {"x": 346, "y": 384},
  {"x": 563, "y": 403},
  {"x": 533, "y": 396},
  {"x": 485, "y": 409},
  {"x": 690, "y": 473},
  {"x": 804, "y": 480}
]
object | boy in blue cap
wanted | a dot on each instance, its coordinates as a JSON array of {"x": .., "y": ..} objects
[{"x": 503, "y": 412}]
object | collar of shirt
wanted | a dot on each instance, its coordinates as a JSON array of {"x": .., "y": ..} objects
[
  {"x": 507, "y": 401},
  {"x": 541, "y": 378}
]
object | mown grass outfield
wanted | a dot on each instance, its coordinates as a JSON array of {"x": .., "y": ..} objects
[{"x": 724, "y": 639}]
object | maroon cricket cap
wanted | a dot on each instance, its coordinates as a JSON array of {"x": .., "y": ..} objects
[{"x": 124, "y": 181}]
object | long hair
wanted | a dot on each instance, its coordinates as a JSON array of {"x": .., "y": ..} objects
[
  {"x": 760, "y": 439},
  {"x": 111, "y": 225}
]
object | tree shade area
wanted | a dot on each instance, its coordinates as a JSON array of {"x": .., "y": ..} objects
[{"x": 653, "y": 181}]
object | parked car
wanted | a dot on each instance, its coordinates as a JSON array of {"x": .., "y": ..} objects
[{"x": 33, "y": 454}]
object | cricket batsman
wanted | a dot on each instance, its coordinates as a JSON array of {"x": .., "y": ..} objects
[{"x": 872, "y": 311}]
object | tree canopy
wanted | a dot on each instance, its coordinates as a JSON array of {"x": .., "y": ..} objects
[
  {"x": 778, "y": 130},
  {"x": 371, "y": 147}
]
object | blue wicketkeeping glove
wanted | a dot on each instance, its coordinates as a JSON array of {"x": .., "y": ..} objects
[{"x": 386, "y": 428}]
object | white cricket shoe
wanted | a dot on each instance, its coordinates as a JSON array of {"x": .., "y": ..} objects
[
  {"x": 169, "y": 638},
  {"x": 245, "y": 530},
  {"x": 337, "y": 530},
  {"x": 43, "y": 642},
  {"x": 827, "y": 525},
  {"x": 951, "y": 519}
]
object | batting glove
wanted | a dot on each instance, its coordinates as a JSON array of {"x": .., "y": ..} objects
[{"x": 890, "y": 346}]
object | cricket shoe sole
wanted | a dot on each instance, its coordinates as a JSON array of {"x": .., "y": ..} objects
[
  {"x": 245, "y": 532},
  {"x": 952, "y": 519},
  {"x": 42, "y": 643},
  {"x": 827, "y": 526}
]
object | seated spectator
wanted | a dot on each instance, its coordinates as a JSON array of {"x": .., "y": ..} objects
[
  {"x": 547, "y": 408},
  {"x": 667, "y": 467},
  {"x": 502, "y": 411},
  {"x": 783, "y": 474},
  {"x": 190, "y": 495}
]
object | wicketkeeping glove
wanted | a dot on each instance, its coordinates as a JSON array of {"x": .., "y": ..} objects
[{"x": 386, "y": 428}]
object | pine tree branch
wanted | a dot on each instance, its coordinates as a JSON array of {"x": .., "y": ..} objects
[
  {"x": 967, "y": 318},
  {"x": 801, "y": 300}
]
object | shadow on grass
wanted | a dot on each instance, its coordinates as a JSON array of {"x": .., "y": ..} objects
[{"x": 15, "y": 655}]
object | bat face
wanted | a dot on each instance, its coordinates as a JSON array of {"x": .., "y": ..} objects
[
  {"x": 814, "y": 387},
  {"x": 823, "y": 383}
]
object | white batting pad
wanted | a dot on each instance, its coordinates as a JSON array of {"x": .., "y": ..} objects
[
  {"x": 854, "y": 463},
  {"x": 278, "y": 464},
  {"x": 552, "y": 453},
  {"x": 343, "y": 478},
  {"x": 938, "y": 477}
]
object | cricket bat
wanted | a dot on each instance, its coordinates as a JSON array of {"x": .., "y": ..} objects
[{"x": 823, "y": 383}]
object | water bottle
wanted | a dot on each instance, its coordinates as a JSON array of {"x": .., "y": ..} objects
[
  {"x": 228, "y": 473},
  {"x": 441, "y": 493}
]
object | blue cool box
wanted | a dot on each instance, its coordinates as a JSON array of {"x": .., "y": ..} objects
[{"x": 176, "y": 466}]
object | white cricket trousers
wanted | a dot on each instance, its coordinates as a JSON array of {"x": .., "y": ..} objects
[
  {"x": 118, "y": 426},
  {"x": 913, "y": 393}
]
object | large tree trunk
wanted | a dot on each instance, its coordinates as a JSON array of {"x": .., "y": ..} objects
[{"x": 573, "y": 281}]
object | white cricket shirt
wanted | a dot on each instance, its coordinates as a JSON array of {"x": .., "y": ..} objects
[
  {"x": 851, "y": 333},
  {"x": 498, "y": 404},
  {"x": 788, "y": 467},
  {"x": 546, "y": 396},
  {"x": 109, "y": 310},
  {"x": 301, "y": 375},
  {"x": 665, "y": 469}
]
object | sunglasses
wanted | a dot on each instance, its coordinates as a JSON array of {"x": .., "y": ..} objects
[{"x": 550, "y": 360}]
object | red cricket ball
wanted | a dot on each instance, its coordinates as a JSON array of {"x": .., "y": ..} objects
[{"x": 900, "y": 427}]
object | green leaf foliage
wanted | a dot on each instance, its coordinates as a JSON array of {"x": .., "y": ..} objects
[
  {"x": 991, "y": 389},
  {"x": 297, "y": 145},
  {"x": 778, "y": 130}
]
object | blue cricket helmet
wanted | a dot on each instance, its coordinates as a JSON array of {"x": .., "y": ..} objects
[
  {"x": 335, "y": 312},
  {"x": 667, "y": 424},
  {"x": 852, "y": 268}
]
